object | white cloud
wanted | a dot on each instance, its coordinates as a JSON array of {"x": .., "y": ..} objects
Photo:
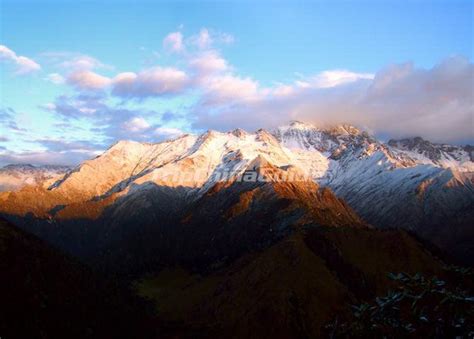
[
  {"x": 168, "y": 132},
  {"x": 88, "y": 80},
  {"x": 174, "y": 42},
  {"x": 282, "y": 90},
  {"x": 81, "y": 63},
  {"x": 225, "y": 38},
  {"x": 204, "y": 39},
  {"x": 6, "y": 53},
  {"x": 228, "y": 88},
  {"x": 136, "y": 124},
  {"x": 55, "y": 78},
  {"x": 208, "y": 62},
  {"x": 156, "y": 81},
  {"x": 334, "y": 78},
  {"x": 23, "y": 64}
]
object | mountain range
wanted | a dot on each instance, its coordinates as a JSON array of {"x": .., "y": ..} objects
[
  {"x": 412, "y": 184},
  {"x": 234, "y": 234},
  {"x": 13, "y": 177}
]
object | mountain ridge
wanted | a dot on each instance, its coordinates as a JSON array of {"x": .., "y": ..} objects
[{"x": 384, "y": 184}]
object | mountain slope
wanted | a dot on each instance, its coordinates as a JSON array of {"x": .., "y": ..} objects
[
  {"x": 46, "y": 294},
  {"x": 14, "y": 177},
  {"x": 290, "y": 289}
]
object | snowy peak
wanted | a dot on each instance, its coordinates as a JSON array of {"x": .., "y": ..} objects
[
  {"x": 301, "y": 136},
  {"x": 31, "y": 168},
  {"x": 197, "y": 161},
  {"x": 328, "y": 139},
  {"x": 296, "y": 124},
  {"x": 15, "y": 176},
  {"x": 240, "y": 133},
  {"x": 441, "y": 155},
  {"x": 345, "y": 130},
  {"x": 18, "y": 167}
]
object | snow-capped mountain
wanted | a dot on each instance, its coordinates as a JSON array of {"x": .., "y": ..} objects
[
  {"x": 441, "y": 155},
  {"x": 14, "y": 177},
  {"x": 424, "y": 187},
  {"x": 416, "y": 185}
]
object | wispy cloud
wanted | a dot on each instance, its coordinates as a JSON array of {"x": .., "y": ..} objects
[
  {"x": 55, "y": 78},
  {"x": 174, "y": 42},
  {"x": 22, "y": 64},
  {"x": 206, "y": 38},
  {"x": 8, "y": 120},
  {"x": 71, "y": 61},
  {"x": 167, "y": 132}
]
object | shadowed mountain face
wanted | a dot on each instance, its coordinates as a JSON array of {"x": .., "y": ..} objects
[
  {"x": 46, "y": 294},
  {"x": 287, "y": 290}
]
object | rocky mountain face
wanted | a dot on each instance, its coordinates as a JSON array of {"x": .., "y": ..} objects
[
  {"x": 14, "y": 177},
  {"x": 136, "y": 189}
]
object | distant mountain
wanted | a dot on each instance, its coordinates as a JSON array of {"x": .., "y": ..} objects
[
  {"x": 134, "y": 185},
  {"x": 14, "y": 177},
  {"x": 442, "y": 155}
]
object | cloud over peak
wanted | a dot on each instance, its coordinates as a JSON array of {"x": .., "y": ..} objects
[{"x": 399, "y": 100}]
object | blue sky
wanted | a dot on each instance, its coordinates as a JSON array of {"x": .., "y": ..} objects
[{"x": 106, "y": 70}]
